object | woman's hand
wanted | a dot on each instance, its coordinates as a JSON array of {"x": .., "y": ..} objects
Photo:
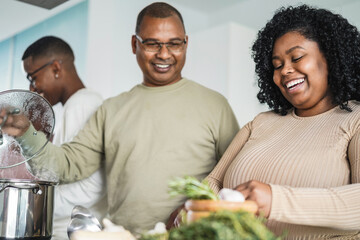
[{"x": 258, "y": 192}]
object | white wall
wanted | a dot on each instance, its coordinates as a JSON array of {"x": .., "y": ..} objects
[
  {"x": 111, "y": 68},
  {"x": 6, "y": 58},
  {"x": 219, "y": 58},
  {"x": 242, "y": 87},
  {"x": 255, "y": 13},
  {"x": 207, "y": 58},
  {"x": 351, "y": 12}
]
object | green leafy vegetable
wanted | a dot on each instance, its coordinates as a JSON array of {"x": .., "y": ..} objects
[
  {"x": 224, "y": 225},
  {"x": 191, "y": 188},
  {"x": 221, "y": 225},
  {"x": 163, "y": 236}
]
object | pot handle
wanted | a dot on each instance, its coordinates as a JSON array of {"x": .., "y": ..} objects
[{"x": 34, "y": 186}]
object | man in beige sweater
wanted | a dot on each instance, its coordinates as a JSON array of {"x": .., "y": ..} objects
[{"x": 167, "y": 126}]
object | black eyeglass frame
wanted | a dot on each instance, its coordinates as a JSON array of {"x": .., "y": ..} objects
[
  {"x": 160, "y": 44},
  {"x": 29, "y": 75}
]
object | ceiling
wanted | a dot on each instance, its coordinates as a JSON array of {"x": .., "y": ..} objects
[
  {"x": 44, "y": 3},
  {"x": 16, "y": 16}
]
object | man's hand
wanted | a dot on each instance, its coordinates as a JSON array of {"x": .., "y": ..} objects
[
  {"x": 175, "y": 218},
  {"x": 13, "y": 124},
  {"x": 258, "y": 192}
]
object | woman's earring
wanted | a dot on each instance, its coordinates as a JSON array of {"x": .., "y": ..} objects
[{"x": 56, "y": 75}]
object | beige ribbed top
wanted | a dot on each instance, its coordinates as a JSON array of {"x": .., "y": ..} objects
[{"x": 312, "y": 165}]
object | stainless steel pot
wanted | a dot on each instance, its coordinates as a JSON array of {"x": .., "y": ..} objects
[{"x": 26, "y": 209}]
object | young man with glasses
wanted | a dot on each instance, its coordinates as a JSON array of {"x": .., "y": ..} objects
[
  {"x": 49, "y": 64},
  {"x": 167, "y": 126}
]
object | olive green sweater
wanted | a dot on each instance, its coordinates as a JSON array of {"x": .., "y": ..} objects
[
  {"x": 146, "y": 137},
  {"x": 312, "y": 165}
]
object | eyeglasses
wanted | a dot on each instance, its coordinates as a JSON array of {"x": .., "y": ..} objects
[
  {"x": 29, "y": 75},
  {"x": 155, "y": 46}
]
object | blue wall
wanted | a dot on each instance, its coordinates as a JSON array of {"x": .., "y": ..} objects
[
  {"x": 70, "y": 25},
  {"x": 5, "y": 59}
]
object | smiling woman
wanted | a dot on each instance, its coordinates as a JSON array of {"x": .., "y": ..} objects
[
  {"x": 340, "y": 54},
  {"x": 300, "y": 162}
]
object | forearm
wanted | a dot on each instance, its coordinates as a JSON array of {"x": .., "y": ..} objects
[
  {"x": 325, "y": 207},
  {"x": 70, "y": 162}
]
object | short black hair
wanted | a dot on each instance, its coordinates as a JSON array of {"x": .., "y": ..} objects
[
  {"x": 337, "y": 39},
  {"x": 48, "y": 46},
  {"x": 157, "y": 10}
]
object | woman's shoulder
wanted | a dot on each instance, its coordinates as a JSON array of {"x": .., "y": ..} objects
[
  {"x": 354, "y": 106},
  {"x": 348, "y": 121},
  {"x": 353, "y": 115},
  {"x": 267, "y": 115}
]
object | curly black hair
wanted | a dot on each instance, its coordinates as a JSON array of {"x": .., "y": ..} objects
[{"x": 338, "y": 40}]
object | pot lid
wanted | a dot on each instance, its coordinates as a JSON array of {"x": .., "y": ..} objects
[{"x": 41, "y": 115}]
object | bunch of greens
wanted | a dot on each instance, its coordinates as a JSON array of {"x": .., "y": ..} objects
[
  {"x": 191, "y": 188},
  {"x": 160, "y": 236},
  {"x": 224, "y": 225},
  {"x": 220, "y": 226}
]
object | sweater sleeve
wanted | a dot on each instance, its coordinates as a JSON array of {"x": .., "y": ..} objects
[
  {"x": 216, "y": 177},
  {"x": 336, "y": 207},
  {"x": 228, "y": 127}
]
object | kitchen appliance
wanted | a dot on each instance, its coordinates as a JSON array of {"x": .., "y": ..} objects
[{"x": 26, "y": 205}]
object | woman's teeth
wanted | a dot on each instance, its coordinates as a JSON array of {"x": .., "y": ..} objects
[
  {"x": 162, "y": 65},
  {"x": 294, "y": 82}
]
